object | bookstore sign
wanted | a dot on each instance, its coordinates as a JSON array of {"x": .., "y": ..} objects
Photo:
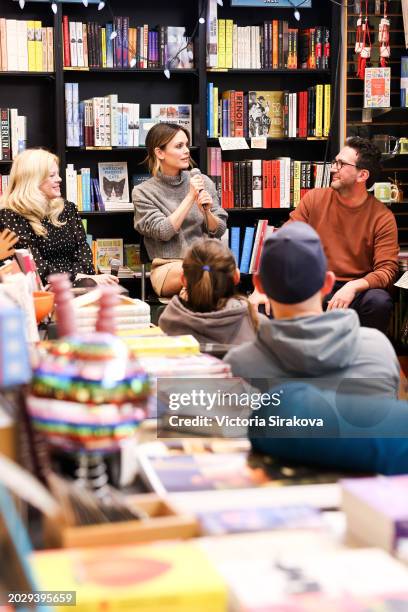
[{"x": 274, "y": 3}]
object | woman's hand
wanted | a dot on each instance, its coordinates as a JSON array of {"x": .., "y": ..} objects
[
  {"x": 7, "y": 241},
  {"x": 105, "y": 279},
  {"x": 204, "y": 201},
  {"x": 196, "y": 185}
]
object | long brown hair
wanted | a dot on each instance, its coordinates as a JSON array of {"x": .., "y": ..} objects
[
  {"x": 159, "y": 136},
  {"x": 209, "y": 268}
]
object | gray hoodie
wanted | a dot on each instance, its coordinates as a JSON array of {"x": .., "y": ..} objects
[
  {"x": 230, "y": 325},
  {"x": 327, "y": 346}
]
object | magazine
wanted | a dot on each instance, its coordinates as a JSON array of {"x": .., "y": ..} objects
[{"x": 114, "y": 182}]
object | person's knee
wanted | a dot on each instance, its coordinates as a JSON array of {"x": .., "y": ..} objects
[{"x": 377, "y": 300}]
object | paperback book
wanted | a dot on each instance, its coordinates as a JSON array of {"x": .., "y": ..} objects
[{"x": 377, "y": 87}]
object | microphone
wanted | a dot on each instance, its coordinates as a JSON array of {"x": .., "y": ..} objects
[
  {"x": 196, "y": 172},
  {"x": 115, "y": 265}
]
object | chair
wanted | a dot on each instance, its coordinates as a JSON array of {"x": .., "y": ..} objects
[{"x": 144, "y": 259}]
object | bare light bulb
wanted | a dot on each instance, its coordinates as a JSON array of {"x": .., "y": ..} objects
[
  {"x": 296, "y": 15},
  {"x": 113, "y": 35},
  {"x": 220, "y": 2},
  {"x": 167, "y": 73},
  {"x": 133, "y": 62},
  {"x": 21, "y": 3},
  {"x": 85, "y": 3},
  {"x": 101, "y": 5},
  {"x": 54, "y": 8},
  {"x": 201, "y": 20}
]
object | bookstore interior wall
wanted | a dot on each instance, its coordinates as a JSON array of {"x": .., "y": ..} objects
[{"x": 267, "y": 75}]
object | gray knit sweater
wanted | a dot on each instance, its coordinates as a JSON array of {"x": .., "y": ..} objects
[{"x": 155, "y": 199}]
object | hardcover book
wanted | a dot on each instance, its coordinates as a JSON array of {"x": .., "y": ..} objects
[
  {"x": 377, "y": 87},
  {"x": 107, "y": 249},
  {"x": 113, "y": 182}
]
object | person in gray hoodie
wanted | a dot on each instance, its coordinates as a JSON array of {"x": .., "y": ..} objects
[
  {"x": 302, "y": 341},
  {"x": 209, "y": 307}
]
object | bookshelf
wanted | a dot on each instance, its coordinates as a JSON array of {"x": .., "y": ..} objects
[
  {"x": 393, "y": 120},
  {"x": 41, "y": 96}
]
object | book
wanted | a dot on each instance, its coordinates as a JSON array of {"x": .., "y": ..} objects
[
  {"x": 265, "y": 116},
  {"x": 263, "y": 518},
  {"x": 376, "y": 510},
  {"x": 305, "y": 570},
  {"x": 113, "y": 182},
  {"x": 173, "y": 113},
  {"x": 107, "y": 249},
  {"x": 165, "y": 578},
  {"x": 377, "y": 87},
  {"x": 180, "y": 52}
]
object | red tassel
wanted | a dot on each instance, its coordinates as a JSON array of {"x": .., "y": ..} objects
[
  {"x": 383, "y": 62},
  {"x": 362, "y": 67}
]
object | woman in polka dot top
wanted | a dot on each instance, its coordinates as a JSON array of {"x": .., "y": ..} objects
[{"x": 50, "y": 227}]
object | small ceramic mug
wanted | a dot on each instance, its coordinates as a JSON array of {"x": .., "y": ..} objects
[{"x": 386, "y": 192}]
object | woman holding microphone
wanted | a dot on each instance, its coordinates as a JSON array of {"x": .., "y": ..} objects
[{"x": 174, "y": 207}]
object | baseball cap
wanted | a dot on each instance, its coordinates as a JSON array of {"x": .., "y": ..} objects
[{"x": 293, "y": 264}]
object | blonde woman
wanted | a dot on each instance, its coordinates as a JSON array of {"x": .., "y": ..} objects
[
  {"x": 173, "y": 208},
  {"x": 33, "y": 208}
]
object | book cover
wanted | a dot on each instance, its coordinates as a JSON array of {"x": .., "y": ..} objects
[
  {"x": 377, "y": 87},
  {"x": 107, "y": 249},
  {"x": 113, "y": 181},
  {"x": 164, "y": 578},
  {"x": 239, "y": 520},
  {"x": 180, "y": 53},
  {"x": 173, "y": 113},
  {"x": 265, "y": 116}
]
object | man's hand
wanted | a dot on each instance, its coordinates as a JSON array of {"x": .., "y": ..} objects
[
  {"x": 7, "y": 241},
  {"x": 256, "y": 298},
  {"x": 343, "y": 297}
]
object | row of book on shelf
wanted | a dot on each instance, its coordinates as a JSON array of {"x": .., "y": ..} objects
[
  {"x": 92, "y": 45},
  {"x": 108, "y": 192},
  {"x": 103, "y": 121},
  {"x": 268, "y": 183},
  {"x": 271, "y": 45},
  {"x": 274, "y": 114},
  {"x": 246, "y": 244},
  {"x": 13, "y": 138},
  {"x": 26, "y": 46}
]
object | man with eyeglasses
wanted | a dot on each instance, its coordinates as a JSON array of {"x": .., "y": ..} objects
[{"x": 358, "y": 233}]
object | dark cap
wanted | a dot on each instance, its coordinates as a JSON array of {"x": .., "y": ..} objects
[{"x": 293, "y": 265}]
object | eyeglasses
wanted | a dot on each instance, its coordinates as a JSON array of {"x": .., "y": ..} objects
[{"x": 339, "y": 163}]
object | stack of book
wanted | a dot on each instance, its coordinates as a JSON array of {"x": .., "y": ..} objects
[
  {"x": 26, "y": 46},
  {"x": 129, "y": 313}
]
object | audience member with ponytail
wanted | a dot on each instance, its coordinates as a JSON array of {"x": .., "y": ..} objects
[{"x": 209, "y": 306}]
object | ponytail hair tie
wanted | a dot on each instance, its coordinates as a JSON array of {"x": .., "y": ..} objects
[{"x": 206, "y": 268}]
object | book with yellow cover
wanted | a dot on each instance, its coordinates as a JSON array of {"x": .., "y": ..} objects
[
  {"x": 164, "y": 345},
  {"x": 159, "y": 578}
]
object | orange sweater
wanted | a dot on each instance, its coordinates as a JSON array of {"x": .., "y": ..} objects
[{"x": 359, "y": 242}]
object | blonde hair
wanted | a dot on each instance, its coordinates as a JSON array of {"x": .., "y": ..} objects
[
  {"x": 159, "y": 136},
  {"x": 209, "y": 268},
  {"x": 23, "y": 194}
]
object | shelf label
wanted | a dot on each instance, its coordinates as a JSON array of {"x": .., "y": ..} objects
[
  {"x": 258, "y": 142},
  {"x": 232, "y": 143}
]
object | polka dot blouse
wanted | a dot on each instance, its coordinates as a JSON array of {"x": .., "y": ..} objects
[{"x": 64, "y": 249}]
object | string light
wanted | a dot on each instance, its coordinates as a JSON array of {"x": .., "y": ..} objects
[
  {"x": 101, "y": 5},
  {"x": 133, "y": 62},
  {"x": 85, "y": 3},
  {"x": 296, "y": 15},
  {"x": 21, "y": 3},
  {"x": 54, "y": 7},
  {"x": 220, "y": 3},
  {"x": 113, "y": 35},
  {"x": 201, "y": 20},
  {"x": 167, "y": 72}
]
